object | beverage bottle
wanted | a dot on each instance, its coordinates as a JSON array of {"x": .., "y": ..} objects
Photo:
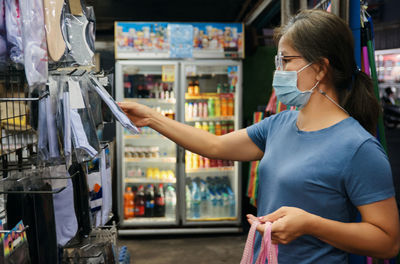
[
  {"x": 213, "y": 204},
  {"x": 190, "y": 111},
  {"x": 171, "y": 176},
  {"x": 232, "y": 88},
  {"x": 205, "y": 196},
  {"x": 196, "y": 200},
  {"x": 128, "y": 203},
  {"x": 195, "y": 110},
  {"x": 231, "y": 127},
  {"x": 188, "y": 160},
  {"x": 170, "y": 201},
  {"x": 149, "y": 210},
  {"x": 195, "y": 161},
  {"x": 196, "y": 88},
  {"x": 224, "y": 128},
  {"x": 186, "y": 111},
  {"x": 219, "y": 88},
  {"x": 188, "y": 202},
  {"x": 140, "y": 202},
  {"x": 200, "y": 161},
  {"x": 211, "y": 127},
  {"x": 205, "y": 126},
  {"x": 230, "y": 108},
  {"x": 190, "y": 88},
  {"x": 218, "y": 129},
  {"x": 225, "y": 203},
  {"x": 127, "y": 86},
  {"x": 220, "y": 203},
  {"x": 149, "y": 173},
  {"x": 163, "y": 176},
  {"x": 225, "y": 88},
  {"x": 224, "y": 106},
  {"x": 217, "y": 106},
  {"x": 156, "y": 91},
  {"x": 201, "y": 110},
  {"x": 156, "y": 173},
  {"x": 211, "y": 108},
  {"x": 197, "y": 125},
  {"x": 232, "y": 203},
  {"x": 159, "y": 207},
  {"x": 205, "y": 109}
]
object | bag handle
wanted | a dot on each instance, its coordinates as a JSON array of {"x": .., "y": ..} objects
[{"x": 268, "y": 250}]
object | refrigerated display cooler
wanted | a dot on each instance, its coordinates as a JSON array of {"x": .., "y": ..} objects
[{"x": 174, "y": 190}]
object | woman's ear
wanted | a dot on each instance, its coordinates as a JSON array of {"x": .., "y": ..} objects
[{"x": 321, "y": 69}]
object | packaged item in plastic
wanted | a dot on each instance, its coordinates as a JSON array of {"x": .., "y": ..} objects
[
  {"x": 3, "y": 36},
  {"x": 34, "y": 41},
  {"x": 16, "y": 249},
  {"x": 14, "y": 30},
  {"x": 52, "y": 17},
  {"x": 76, "y": 23},
  {"x": 91, "y": 32}
]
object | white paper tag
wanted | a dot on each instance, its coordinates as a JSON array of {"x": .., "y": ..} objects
[{"x": 75, "y": 95}]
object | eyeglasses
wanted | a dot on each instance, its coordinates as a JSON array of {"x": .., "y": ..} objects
[{"x": 280, "y": 60}]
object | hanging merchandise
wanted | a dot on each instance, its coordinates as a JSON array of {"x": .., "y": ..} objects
[
  {"x": 16, "y": 249},
  {"x": 116, "y": 110},
  {"x": 3, "y": 37},
  {"x": 91, "y": 32},
  {"x": 14, "y": 31},
  {"x": 93, "y": 175},
  {"x": 34, "y": 41},
  {"x": 105, "y": 170},
  {"x": 76, "y": 23},
  {"x": 52, "y": 17}
]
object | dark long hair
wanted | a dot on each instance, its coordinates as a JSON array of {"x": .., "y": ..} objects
[{"x": 317, "y": 34}]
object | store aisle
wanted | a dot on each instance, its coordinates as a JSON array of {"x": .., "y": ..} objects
[{"x": 190, "y": 249}]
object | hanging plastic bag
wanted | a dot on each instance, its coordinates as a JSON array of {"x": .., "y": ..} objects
[
  {"x": 106, "y": 182},
  {"x": 267, "y": 251},
  {"x": 34, "y": 41},
  {"x": 14, "y": 31}
]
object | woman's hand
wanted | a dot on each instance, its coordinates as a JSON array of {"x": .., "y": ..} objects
[
  {"x": 288, "y": 223},
  {"x": 139, "y": 114}
]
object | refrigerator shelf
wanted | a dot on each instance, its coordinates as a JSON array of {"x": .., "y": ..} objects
[
  {"x": 151, "y": 101},
  {"x": 146, "y": 137},
  {"x": 211, "y": 170},
  {"x": 212, "y": 219},
  {"x": 214, "y": 118},
  {"x": 145, "y": 180},
  {"x": 147, "y": 220},
  {"x": 152, "y": 160},
  {"x": 205, "y": 96}
]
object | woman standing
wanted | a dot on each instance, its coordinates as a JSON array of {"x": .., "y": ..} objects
[{"x": 319, "y": 165}]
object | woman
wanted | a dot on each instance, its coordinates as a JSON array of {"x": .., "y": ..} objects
[{"x": 319, "y": 165}]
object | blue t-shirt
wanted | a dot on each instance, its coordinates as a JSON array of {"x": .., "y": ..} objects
[{"x": 326, "y": 172}]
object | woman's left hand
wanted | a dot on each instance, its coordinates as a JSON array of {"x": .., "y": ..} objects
[{"x": 288, "y": 223}]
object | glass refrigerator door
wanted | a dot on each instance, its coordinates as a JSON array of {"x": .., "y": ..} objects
[
  {"x": 147, "y": 161},
  {"x": 212, "y": 96}
]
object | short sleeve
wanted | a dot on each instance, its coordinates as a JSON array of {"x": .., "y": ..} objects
[
  {"x": 368, "y": 177},
  {"x": 259, "y": 132}
]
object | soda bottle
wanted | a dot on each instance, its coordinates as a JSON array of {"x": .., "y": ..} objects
[
  {"x": 149, "y": 210},
  {"x": 159, "y": 207},
  {"x": 211, "y": 127},
  {"x": 170, "y": 201},
  {"x": 200, "y": 161},
  {"x": 195, "y": 110},
  {"x": 188, "y": 160},
  {"x": 196, "y": 200},
  {"x": 140, "y": 202},
  {"x": 224, "y": 106},
  {"x": 196, "y": 88},
  {"x": 201, "y": 110},
  {"x": 205, "y": 126},
  {"x": 128, "y": 203},
  {"x": 190, "y": 88},
  {"x": 206, "y": 163},
  {"x": 230, "y": 106},
  {"x": 190, "y": 111},
  {"x": 211, "y": 108},
  {"x": 205, "y": 109},
  {"x": 218, "y": 130},
  {"x": 224, "y": 128},
  {"x": 195, "y": 161},
  {"x": 231, "y": 127},
  {"x": 217, "y": 106},
  {"x": 197, "y": 125}
]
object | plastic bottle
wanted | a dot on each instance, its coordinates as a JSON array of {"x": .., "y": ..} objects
[
  {"x": 159, "y": 207},
  {"x": 230, "y": 109},
  {"x": 149, "y": 173},
  {"x": 196, "y": 200},
  {"x": 205, "y": 196},
  {"x": 218, "y": 130},
  {"x": 149, "y": 210},
  {"x": 219, "y": 88},
  {"x": 190, "y": 88},
  {"x": 231, "y": 127},
  {"x": 232, "y": 203},
  {"x": 190, "y": 111},
  {"x": 188, "y": 160},
  {"x": 187, "y": 111},
  {"x": 129, "y": 203},
  {"x": 170, "y": 201},
  {"x": 140, "y": 202},
  {"x": 205, "y": 110},
  {"x": 156, "y": 173},
  {"x": 224, "y": 106},
  {"x": 225, "y": 203},
  {"x": 195, "y": 161},
  {"x": 200, "y": 112},
  {"x": 210, "y": 103},
  {"x": 217, "y": 106},
  {"x": 211, "y": 127},
  {"x": 188, "y": 202},
  {"x": 205, "y": 126},
  {"x": 196, "y": 88},
  {"x": 195, "y": 110},
  {"x": 224, "y": 128}
]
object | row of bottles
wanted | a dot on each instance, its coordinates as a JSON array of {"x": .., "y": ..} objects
[
  {"x": 152, "y": 174},
  {"x": 152, "y": 201},
  {"x": 210, "y": 198},
  {"x": 194, "y": 161},
  {"x": 142, "y": 151},
  {"x": 213, "y": 107},
  {"x": 140, "y": 86},
  {"x": 193, "y": 88}
]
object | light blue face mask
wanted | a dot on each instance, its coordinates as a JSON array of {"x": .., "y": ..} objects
[{"x": 285, "y": 85}]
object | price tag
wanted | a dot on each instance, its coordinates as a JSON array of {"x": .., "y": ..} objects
[
  {"x": 168, "y": 73},
  {"x": 75, "y": 95}
]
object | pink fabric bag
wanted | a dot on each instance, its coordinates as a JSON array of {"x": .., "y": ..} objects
[{"x": 267, "y": 251}]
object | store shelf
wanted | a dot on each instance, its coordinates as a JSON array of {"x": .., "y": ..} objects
[
  {"x": 152, "y": 160},
  {"x": 214, "y": 118},
  {"x": 205, "y": 96},
  {"x": 151, "y": 101},
  {"x": 145, "y": 137},
  {"x": 147, "y": 220},
  {"x": 212, "y": 219},
  {"x": 145, "y": 180},
  {"x": 211, "y": 170}
]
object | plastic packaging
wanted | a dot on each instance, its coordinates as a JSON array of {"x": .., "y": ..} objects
[
  {"x": 3, "y": 36},
  {"x": 34, "y": 41},
  {"x": 52, "y": 17},
  {"x": 14, "y": 30}
]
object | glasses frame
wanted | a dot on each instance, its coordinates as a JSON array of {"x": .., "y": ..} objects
[{"x": 279, "y": 57}]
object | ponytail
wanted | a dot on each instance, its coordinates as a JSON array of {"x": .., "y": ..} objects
[{"x": 361, "y": 103}]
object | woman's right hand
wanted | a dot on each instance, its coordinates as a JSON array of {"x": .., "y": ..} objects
[{"x": 139, "y": 114}]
